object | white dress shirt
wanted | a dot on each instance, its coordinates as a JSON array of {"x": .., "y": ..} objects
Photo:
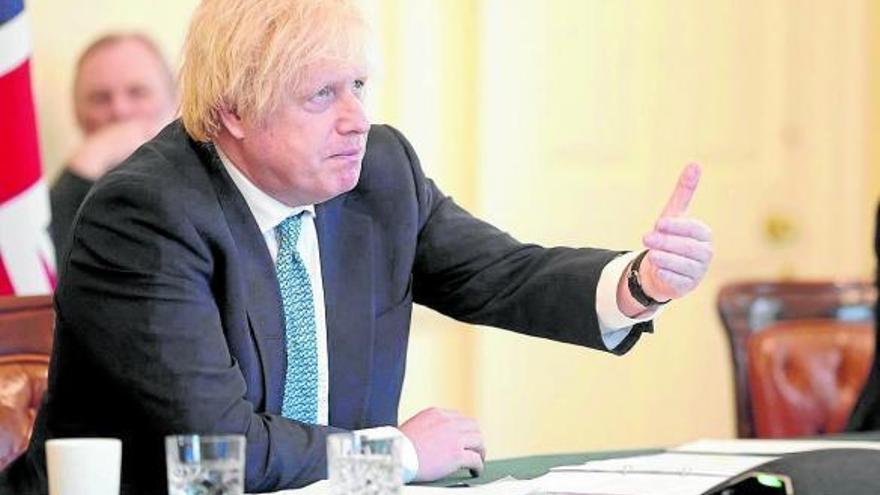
[{"x": 269, "y": 212}]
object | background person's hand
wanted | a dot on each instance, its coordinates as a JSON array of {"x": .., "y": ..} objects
[
  {"x": 445, "y": 441},
  {"x": 679, "y": 248},
  {"x": 109, "y": 146}
]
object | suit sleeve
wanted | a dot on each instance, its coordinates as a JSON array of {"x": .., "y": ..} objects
[
  {"x": 476, "y": 273},
  {"x": 138, "y": 311}
]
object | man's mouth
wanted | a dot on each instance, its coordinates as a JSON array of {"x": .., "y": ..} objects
[{"x": 348, "y": 153}]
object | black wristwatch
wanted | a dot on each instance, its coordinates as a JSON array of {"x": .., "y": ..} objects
[{"x": 635, "y": 284}]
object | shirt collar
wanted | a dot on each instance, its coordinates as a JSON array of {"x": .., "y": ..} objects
[{"x": 267, "y": 211}]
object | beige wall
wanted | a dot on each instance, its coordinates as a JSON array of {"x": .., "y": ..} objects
[
  {"x": 872, "y": 119},
  {"x": 566, "y": 122},
  {"x": 589, "y": 110}
]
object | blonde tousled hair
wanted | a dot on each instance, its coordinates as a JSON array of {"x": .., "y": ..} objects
[{"x": 247, "y": 55}]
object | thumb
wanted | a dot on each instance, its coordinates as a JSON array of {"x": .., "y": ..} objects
[{"x": 684, "y": 191}]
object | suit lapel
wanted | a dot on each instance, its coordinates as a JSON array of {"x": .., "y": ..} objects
[
  {"x": 263, "y": 299},
  {"x": 346, "y": 268}
]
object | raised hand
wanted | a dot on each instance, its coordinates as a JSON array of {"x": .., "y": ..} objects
[
  {"x": 109, "y": 146},
  {"x": 445, "y": 442},
  {"x": 679, "y": 248}
]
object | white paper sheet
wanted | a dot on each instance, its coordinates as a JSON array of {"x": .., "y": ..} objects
[
  {"x": 770, "y": 447},
  {"x": 659, "y": 474},
  {"x": 624, "y": 484}
]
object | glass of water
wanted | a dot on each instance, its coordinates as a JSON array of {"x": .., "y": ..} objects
[
  {"x": 360, "y": 464},
  {"x": 205, "y": 464}
]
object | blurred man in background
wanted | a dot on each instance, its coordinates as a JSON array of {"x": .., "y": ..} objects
[{"x": 123, "y": 93}]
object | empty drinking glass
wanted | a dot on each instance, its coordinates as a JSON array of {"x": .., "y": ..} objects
[
  {"x": 205, "y": 464},
  {"x": 362, "y": 464}
]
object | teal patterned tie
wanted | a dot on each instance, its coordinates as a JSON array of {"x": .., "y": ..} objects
[{"x": 300, "y": 400}]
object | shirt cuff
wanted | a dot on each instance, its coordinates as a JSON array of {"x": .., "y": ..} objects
[
  {"x": 615, "y": 325},
  {"x": 409, "y": 460}
]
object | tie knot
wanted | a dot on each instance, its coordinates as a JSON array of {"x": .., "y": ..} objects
[{"x": 287, "y": 232}]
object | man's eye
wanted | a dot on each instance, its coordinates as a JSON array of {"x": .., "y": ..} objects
[
  {"x": 358, "y": 88},
  {"x": 323, "y": 93},
  {"x": 137, "y": 92},
  {"x": 101, "y": 98}
]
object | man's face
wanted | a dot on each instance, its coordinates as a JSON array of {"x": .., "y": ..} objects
[
  {"x": 119, "y": 82},
  {"x": 310, "y": 148}
]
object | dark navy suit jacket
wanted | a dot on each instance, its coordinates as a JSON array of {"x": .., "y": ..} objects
[{"x": 169, "y": 316}]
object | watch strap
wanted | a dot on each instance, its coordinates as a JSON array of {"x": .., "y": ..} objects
[{"x": 634, "y": 283}]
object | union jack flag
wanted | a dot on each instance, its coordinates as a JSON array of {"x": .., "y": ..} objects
[{"x": 27, "y": 259}]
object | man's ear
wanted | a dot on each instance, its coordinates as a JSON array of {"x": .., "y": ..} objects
[{"x": 231, "y": 121}]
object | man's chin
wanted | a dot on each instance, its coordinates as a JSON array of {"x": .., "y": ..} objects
[
  {"x": 342, "y": 184},
  {"x": 349, "y": 177}
]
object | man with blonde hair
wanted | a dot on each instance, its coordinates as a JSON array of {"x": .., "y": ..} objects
[
  {"x": 252, "y": 269},
  {"x": 123, "y": 94}
]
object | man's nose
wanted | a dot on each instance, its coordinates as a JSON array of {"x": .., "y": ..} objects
[
  {"x": 353, "y": 116},
  {"x": 121, "y": 107}
]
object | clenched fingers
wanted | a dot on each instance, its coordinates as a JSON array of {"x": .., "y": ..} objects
[
  {"x": 679, "y": 265},
  {"x": 687, "y": 247},
  {"x": 685, "y": 227}
]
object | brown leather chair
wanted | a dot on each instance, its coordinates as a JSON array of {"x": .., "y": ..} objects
[
  {"x": 805, "y": 375},
  {"x": 748, "y": 308},
  {"x": 26, "y": 325}
]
